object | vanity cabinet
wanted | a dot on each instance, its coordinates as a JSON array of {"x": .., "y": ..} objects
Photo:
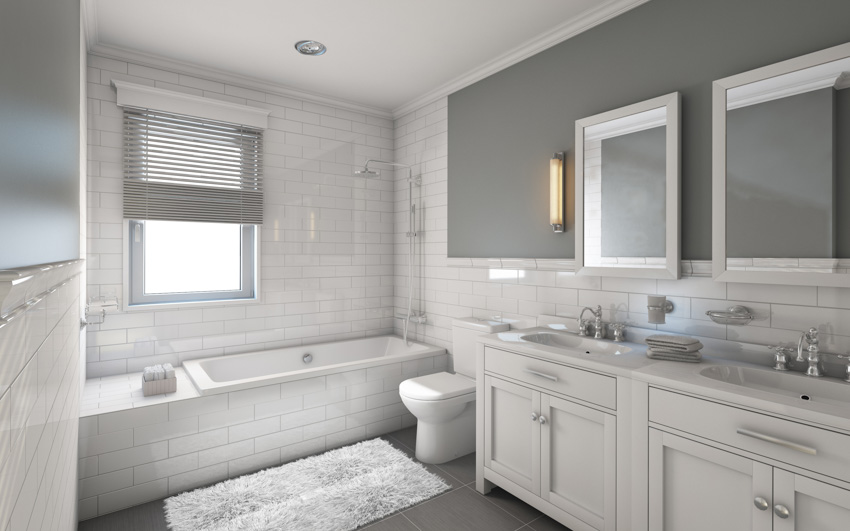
[
  {"x": 555, "y": 450},
  {"x": 700, "y": 487}
]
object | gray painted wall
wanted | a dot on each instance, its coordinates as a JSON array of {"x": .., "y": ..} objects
[
  {"x": 780, "y": 177},
  {"x": 634, "y": 175},
  {"x": 503, "y": 130},
  {"x": 842, "y": 165},
  {"x": 39, "y": 132}
]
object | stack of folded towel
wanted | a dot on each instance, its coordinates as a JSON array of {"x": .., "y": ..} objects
[
  {"x": 158, "y": 372},
  {"x": 673, "y": 348}
]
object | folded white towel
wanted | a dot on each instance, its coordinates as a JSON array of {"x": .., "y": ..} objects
[
  {"x": 690, "y": 357},
  {"x": 674, "y": 343},
  {"x": 147, "y": 375},
  {"x": 169, "y": 371}
]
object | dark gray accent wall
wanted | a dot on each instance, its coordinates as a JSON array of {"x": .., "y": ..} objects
[
  {"x": 39, "y": 132},
  {"x": 503, "y": 129},
  {"x": 780, "y": 178},
  {"x": 634, "y": 175},
  {"x": 842, "y": 165}
]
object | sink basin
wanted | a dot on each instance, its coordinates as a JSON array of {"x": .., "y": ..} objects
[
  {"x": 584, "y": 344},
  {"x": 791, "y": 384}
]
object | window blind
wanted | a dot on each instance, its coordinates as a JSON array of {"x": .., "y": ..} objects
[{"x": 181, "y": 168}]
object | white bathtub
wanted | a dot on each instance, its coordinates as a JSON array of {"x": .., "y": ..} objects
[{"x": 254, "y": 369}]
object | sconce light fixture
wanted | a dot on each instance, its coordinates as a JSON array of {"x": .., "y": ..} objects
[
  {"x": 556, "y": 191},
  {"x": 657, "y": 307}
]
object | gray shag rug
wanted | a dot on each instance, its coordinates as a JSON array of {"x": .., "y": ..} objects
[{"x": 338, "y": 490}]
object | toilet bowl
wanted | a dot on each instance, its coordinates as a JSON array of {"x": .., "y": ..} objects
[
  {"x": 444, "y": 406},
  {"x": 444, "y": 403}
]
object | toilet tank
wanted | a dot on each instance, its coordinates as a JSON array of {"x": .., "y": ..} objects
[{"x": 464, "y": 332}]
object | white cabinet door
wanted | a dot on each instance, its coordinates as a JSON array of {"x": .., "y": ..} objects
[
  {"x": 809, "y": 505},
  {"x": 695, "y": 487},
  {"x": 512, "y": 432},
  {"x": 578, "y": 461}
]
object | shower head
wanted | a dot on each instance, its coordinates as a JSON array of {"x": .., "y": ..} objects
[{"x": 367, "y": 173}]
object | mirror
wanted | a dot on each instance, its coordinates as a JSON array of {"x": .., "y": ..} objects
[
  {"x": 781, "y": 172},
  {"x": 627, "y": 191}
]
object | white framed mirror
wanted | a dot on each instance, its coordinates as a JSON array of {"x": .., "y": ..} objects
[
  {"x": 627, "y": 170},
  {"x": 781, "y": 172}
]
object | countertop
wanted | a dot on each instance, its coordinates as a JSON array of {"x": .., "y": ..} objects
[{"x": 683, "y": 377}]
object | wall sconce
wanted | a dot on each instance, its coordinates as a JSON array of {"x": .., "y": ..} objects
[
  {"x": 556, "y": 191},
  {"x": 658, "y": 307}
]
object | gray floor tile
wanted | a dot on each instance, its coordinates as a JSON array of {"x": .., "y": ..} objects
[
  {"x": 147, "y": 517},
  {"x": 393, "y": 523},
  {"x": 406, "y": 437},
  {"x": 461, "y": 510},
  {"x": 463, "y": 468},
  {"x": 448, "y": 478},
  {"x": 516, "y": 507},
  {"x": 544, "y": 523}
]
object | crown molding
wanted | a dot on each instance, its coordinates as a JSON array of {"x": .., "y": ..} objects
[
  {"x": 88, "y": 12},
  {"x": 212, "y": 74},
  {"x": 527, "y": 49}
]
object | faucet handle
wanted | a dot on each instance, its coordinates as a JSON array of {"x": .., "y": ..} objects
[
  {"x": 781, "y": 358},
  {"x": 812, "y": 336}
]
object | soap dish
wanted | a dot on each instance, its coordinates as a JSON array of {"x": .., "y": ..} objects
[{"x": 735, "y": 315}]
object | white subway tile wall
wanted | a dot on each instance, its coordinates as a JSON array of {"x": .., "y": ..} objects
[
  {"x": 327, "y": 242},
  {"x": 146, "y": 453},
  {"x": 444, "y": 291},
  {"x": 39, "y": 408}
]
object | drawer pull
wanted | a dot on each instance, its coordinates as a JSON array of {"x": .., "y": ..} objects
[
  {"x": 542, "y": 375},
  {"x": 787, "y": 444},
  {"x": 781, "y": 511},
  {"x": 761, "y": 504}
]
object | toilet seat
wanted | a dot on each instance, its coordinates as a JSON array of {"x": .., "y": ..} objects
[{"x": 435, "y": 387}]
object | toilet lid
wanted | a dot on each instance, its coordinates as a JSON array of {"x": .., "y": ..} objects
[{"x": 438, "y": 386}]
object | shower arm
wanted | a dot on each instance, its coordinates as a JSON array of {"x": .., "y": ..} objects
[{"x": 409, "y": 168}]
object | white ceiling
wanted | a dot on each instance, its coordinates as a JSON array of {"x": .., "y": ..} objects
[{"x": 383, "y": 54}]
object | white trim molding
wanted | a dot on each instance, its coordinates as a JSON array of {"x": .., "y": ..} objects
[
  {"x": 23, "y": 287},
  {"x": 236, "y": 80},
  {"x": 145, "y": 97},
  {"x": 556, "y": 35},
  {"x": 689, "y": 268}
]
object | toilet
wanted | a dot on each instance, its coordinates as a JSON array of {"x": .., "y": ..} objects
[{"x": 444, "y": 403}]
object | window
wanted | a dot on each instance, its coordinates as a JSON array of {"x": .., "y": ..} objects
[{"x": 193, "y": 197}]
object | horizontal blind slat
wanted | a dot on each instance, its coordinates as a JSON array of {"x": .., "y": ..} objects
[{"x": 189, "y": 169}]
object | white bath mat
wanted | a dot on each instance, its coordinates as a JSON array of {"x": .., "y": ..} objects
[{"x": 336, "y": 491}]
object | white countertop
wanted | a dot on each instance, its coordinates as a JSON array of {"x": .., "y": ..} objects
[{"x": 684, "y": 377}]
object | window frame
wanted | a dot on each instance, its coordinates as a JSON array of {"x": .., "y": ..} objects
[{"x": 135, "y": 298}]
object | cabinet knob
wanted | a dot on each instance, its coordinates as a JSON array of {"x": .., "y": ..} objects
[
  {"x": 533, "y": 416},
  {"x": 542, "y": 419},
  {"x": 781, "y": 511},
  {"x": 761, "y": 504}
]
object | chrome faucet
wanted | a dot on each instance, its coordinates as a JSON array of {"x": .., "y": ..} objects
[
  {"x": 598, "y": 325},
  {"x": 811, "y": 337}
]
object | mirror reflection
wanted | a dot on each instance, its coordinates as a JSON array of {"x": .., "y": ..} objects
[
  {"x": 786, "y": 172},
  {"x": 625, "y": 191}
]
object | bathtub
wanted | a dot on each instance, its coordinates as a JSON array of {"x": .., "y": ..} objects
[{"x": 255, "y": 369}]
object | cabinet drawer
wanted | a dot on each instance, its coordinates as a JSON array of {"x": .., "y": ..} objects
[
  {"x": 577, "y": 383},
  {"x": 805, "y": 446}
]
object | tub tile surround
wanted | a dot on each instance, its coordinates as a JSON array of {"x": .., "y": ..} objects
[
  {"x": 39, "y": 395},
  {"x": 326, "y": 245},
  {"x": 165, "y": 445},
  {"x": 521, "y": 290}
]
